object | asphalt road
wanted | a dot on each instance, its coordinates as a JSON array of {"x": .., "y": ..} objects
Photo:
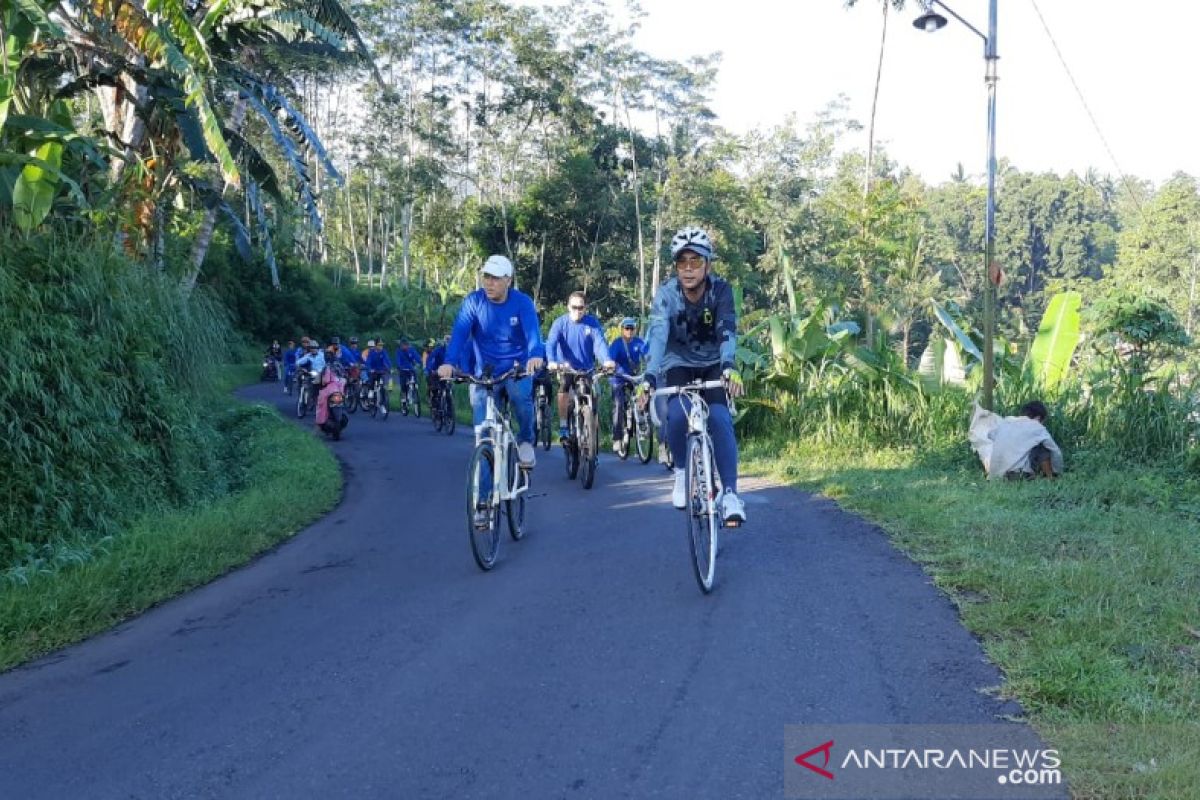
[{"x": 369, "y": 657}]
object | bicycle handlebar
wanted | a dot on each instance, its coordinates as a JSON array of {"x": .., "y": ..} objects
[
  {"x": 583, "y": 373},
  {"x": 693, "y": 386},
  {"x": 463, "y": 377}
]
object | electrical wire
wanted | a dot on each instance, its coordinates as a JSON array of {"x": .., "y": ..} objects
[{"x": 1083, "y": 101}]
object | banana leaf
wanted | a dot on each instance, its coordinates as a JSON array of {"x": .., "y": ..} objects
[
  {"x": 1057, "y": 337},
  {"x": 949, "y": 324}
]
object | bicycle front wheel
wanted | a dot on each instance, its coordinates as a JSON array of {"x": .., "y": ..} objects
[
  {"x": 483, "y": 517},
  {"x": 448, "y": 412},
  {"x": 382, "y": 403},
  {"x": 515, "y": 505},
  {"x": 302, "y": 402},
  {"x": 587, "y": 447},
  {"x": 415, "y": 402},
  {"x": 702, "y": 512},
  {"x": 642, "y": 435}
]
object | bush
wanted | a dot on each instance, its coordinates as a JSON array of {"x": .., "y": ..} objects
[{"x": 100, "y": 399}]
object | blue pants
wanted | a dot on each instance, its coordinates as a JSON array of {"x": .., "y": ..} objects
[{"x": 520, "y": 399}]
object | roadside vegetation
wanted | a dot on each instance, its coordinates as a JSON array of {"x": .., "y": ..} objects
[{"x": 270, "y": 168}]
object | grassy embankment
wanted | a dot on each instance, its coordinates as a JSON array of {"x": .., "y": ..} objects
[
  {"x": 279, "y": 478},
  {"x": 1085, "y": 591}
]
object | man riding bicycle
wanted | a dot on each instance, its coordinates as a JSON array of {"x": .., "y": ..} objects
[
  {"x": 435, "y": 358},
  {"x": 378, "y": 363},
  {"x": 627, "y": 352},
  {"x": 407, "y": 362},
  {"x": 576, "y": 340},
  {"x": 693, "y": 336},
  {"x": 500, "y": 326}
]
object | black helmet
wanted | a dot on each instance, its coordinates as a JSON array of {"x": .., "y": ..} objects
[
  {"x": 335, "y": 340},
  {"x": 353, "y": 340}
]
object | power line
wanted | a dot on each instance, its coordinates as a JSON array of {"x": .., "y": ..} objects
[{"x": 1083, "y": 101}]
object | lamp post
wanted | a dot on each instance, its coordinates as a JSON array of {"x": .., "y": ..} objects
[{"x": 929, "y": 22}]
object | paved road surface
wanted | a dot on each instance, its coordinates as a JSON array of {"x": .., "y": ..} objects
[{"x": 369, "y": 657}]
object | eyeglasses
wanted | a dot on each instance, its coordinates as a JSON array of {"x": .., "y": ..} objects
[{"x": 577, "y": 308}]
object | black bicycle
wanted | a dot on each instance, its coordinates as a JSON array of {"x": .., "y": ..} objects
[
  {"x": 441, "y": 409},
  {"x": 543, "y": 416},
  {"x": 410, "y": 393},
  {"x": 583, "y": 426}
]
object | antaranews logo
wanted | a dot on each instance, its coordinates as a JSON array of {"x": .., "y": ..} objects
[
  {"x": 825, "y": 749},
  {"x": 882, "y": 762}
]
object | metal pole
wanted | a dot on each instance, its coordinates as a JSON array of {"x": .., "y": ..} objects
[{"x": 989, "y": 242}]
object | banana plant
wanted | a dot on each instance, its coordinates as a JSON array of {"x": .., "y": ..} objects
[{"x": 1058, "y": 335}]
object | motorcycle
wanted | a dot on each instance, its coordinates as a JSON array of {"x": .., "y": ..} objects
[
  {"x": 332, "y": 417},
  {"x": 270, "y": 370}
]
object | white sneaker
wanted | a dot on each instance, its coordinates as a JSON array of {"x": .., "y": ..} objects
[
  {"x": 664, "y": 455},
  {"x": 732, "y": 508},
  {"x": 617, "y": 446},
  {"x": 526, "y": 454},
  {"x": 679, "y": 493}
]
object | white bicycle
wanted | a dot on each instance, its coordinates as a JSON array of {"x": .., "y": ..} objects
[
  {"x": 703, "y": 490},
  {"x": 494, "y": 477}
]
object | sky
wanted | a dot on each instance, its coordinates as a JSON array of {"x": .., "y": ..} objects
[{"x": 795, "y": 56}]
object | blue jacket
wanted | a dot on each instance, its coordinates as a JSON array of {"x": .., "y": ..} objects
[
  {"x": 629, "y": 357},
  {"x": 349, "y": 357},
  {"x": 378, "y": 361},
  {"x": 578, "y": 344},
  {"x": 408, "y": 359},
  {"x": 497, "y": 333},
  {"x": 290, "y": 356},
  {"x": 437, "y": 357}
]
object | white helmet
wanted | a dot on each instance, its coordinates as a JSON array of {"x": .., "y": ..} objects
[{"x": 694, "y": 239}]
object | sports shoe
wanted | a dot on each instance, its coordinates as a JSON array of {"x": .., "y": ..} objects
[
  {"x": 483, "y": 520},
  {"x": 617, "y": 446},
  {"x": 679, "y": 493},
  {"x": 526, "y": 454},
  {"x": 563, "y": 434},
  {"x": 732, "y": 508},
  {"x": 664, "y": 455}
]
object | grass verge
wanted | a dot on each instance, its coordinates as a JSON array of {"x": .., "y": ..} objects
[
  {"x": 286, "y": 478},
  {"x": 1085, "y": 591}
]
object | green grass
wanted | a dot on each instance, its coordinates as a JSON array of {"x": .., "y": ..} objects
[
  {"x": 1085, "y": 591},
  {"x": 283, "y": 478}
]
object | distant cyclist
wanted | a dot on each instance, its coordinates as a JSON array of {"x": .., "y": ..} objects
[
  {"x": 407, "y": 361},
  {"x": 628, "y": 352},
  {"x": 576, "y": 340},
  {"x": 693, "y": 336},
  {"x": 500, "y": 325}
]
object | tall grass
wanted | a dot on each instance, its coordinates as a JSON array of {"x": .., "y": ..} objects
[{"x": 100, "y": 412}]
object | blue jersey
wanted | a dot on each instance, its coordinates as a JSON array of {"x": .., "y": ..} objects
[
  {"x": 349, "y": 357},
  {"x": 408, "y": 359},
  {"x": 290, "y": 356},
  {"x": 437, "y": 357},
  {"x": 578, "y": 344},
  {"x": 378, "y": 361},
  {"x": 628, "y": 356},
  {"x": 497, "y": 334}
]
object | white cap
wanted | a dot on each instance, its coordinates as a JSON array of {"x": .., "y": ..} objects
[{"x": 498, "y": 266}]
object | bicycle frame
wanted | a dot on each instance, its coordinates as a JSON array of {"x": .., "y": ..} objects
[{"x": 496, "y": 429}]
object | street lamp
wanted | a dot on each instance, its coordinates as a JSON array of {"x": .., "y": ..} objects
[{"x": 931, "y": 21}]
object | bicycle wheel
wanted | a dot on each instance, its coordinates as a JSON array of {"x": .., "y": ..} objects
[
  {"x": 353, "y": 389},
  {"x": 302, "y": 401},
  {"x": 370, "y": 403},
  {"x": 448, "y": 420},
  {"x": 622, "y": 444},
  {"x": 414, "y": 398},
  {"x": 515, "y": 507},
  {"x": 483, "y": 518},
  {"x": 382, "y": 403},
  {"x": 702, "y": 512},
  {"x": 642, "y": 435},
  {"x": 571, "y": 446},
  {"x": 587, "y": 447},
  {"x": 545, "y": 424}
]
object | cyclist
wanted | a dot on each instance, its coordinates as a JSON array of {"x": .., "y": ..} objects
[
  {"x": 407, "y": 362},
  {"x": 378, "y": 363},
  {"x": 499, "y": 325},
  {"x": 289, "y": 365},
  {"x": 576, "y": 340},
  {"x": 693, "y": 335},
  {"x": 312, "y": 358},
  {"x": 434, "y": 359},
  {"x": 347, "y": 355},
  {"x": 628, "y": 352}
]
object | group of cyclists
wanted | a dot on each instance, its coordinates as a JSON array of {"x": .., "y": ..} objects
[{"x": 692, "y": 335}]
